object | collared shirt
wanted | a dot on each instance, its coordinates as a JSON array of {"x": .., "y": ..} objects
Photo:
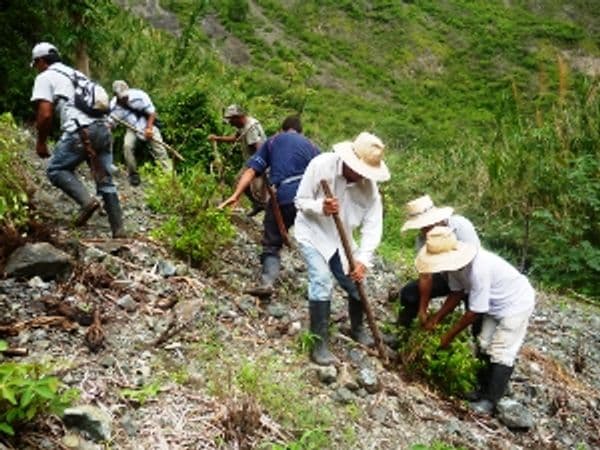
[
  {"x": 360, "y": 205},
  {"x": 494, "y": 286},
  {"x": 137, "y": 100},
  {"x": 462, "y": 227},
  {"x": 252, "y": 134},
  {"x": 57, "y": 88},
  {"x": 286, "y": 154}
]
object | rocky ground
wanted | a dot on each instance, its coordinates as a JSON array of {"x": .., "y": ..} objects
[{"x": 188, "y": 361}]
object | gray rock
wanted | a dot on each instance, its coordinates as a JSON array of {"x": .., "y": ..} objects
[
  {"x": 128, "y": 425},
  {"x": 247, "y": 304},
  {"x": 327, "y": 374},
  {"x": 346, "y": 380},
  {"x": 514, "y": 415},
  {"x": 166, "y": 268},
  {"x": 343, "y": 395},
  {"x": 93, "y": 254},
  {"x": 37, "y": 283},
  {"x": 277, "y": 310},
  {"x": 41, "y": 259},
  {"x": 90, "y": 419},
  {"x": 367, "y": 378},
  {"x": 294, "y": 328},
  {"x": 127, "y": 303},
  {"x": 108, "y": 361}
]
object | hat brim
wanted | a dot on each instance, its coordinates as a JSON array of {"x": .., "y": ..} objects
[
  {"x": 428, "y": 218},
  {"x": 455, "y": 259},
  {"x": 346, "y": 152}
]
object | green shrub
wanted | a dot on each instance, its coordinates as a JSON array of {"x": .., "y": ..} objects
[
  {"x": 194, "y": 227},
  {"x": 15, "y": 185},
  {"x": 26, "y": 393},
  {"x": 453, "y": 370}
]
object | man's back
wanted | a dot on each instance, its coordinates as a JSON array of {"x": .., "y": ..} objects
[
  {"x": 55, "y": 86},
  {"x": 287, "y": 154}
]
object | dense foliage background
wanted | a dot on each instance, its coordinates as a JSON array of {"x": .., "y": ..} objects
[{"x": 476, "y": 100}]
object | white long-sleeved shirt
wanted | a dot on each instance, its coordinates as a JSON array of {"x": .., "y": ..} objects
[{"x": 360, "y": 206}]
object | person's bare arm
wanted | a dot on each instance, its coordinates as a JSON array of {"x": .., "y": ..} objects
[
  {"x": 43, "y": 123},
  {"x": 449, "y": 305},
  {"x": 245, "y": 180},
  {"x": 425, "y": 287},
  {"x": 149, "y": 132},
  {"x": 467, "y": 319},
  {"x": 213, "y": 137}
]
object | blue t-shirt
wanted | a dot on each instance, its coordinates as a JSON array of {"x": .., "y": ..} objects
[{"x": 287, "y": 154}]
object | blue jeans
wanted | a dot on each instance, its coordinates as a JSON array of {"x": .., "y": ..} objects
[
  {"x": 69, "y": 153},
  {"x": 320, "y": 282}
]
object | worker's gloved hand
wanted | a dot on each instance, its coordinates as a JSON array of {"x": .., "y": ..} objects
[
  {"x": 358, "y": 274},
  {"x": 41, "y": 148},
  {"x": 212, "y": 137},
  {"x": 422, "y": 315},
  {"x": 330, "y": 206},
  {"x": 148, "y": 133}
]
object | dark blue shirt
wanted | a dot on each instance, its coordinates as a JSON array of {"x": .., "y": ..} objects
[{"x": 287, "y": 154}]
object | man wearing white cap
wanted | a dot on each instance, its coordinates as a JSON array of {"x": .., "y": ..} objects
[
  {"x": 135, "y": 107},
  {"x": 85, "y": 135},
  {"x": 497, "y": 292},
  {"x": 352, "y": 171},
  {"x": 250, "y": 136},
  {"x": 423, "y": 215}
]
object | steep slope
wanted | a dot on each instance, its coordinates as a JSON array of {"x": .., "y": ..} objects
[{"x": 190, "y": 362}]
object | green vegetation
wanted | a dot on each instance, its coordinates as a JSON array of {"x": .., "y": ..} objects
[
  {"x": 143, "y": 394},
  {"x": 473, "y": 98},
  {"x": 453, "y": 370},
  {"x": 15, "y": 185},
  {"x": 194, "y": 227},
  {"x": 26, "y": 393}
]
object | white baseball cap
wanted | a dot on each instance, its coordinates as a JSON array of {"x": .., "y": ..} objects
[{"x": 42, "y": 49}]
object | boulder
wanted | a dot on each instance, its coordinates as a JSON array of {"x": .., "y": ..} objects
[
  {"x": 513, "y": 414},
  {"x": 39, "y": 259},
  {"x": 367, "y": 378},
  {"x": 90, "y": 419},
  {"x": 327, "y": 374}
]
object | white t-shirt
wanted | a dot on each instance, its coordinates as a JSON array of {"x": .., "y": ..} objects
[
  {"x": 494, "y": 286},
  {"x": 139, "y": 101},
  {"x": 56, "y": 88},
  {"x": 360, "y": 206},
  {"x": 252, "y": 133}
]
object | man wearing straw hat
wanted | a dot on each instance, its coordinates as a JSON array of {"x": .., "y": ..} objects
[
  {"x": 497, "y": 291},
  {"x": 352, "y": 171},
  {"x": 423, "y": 215}
]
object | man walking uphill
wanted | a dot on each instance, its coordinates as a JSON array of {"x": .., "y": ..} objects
[
  {"x": 250, "y": 135},
  {"x": 286, "y": 155},
  {"x": 352, "y": 171},
  {"x": 86, "y": 136},
  {"x": 135, "y": 107}
]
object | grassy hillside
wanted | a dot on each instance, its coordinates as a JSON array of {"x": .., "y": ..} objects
[{"x": 476, "y": 101}]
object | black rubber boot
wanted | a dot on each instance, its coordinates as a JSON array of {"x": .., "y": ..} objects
[
  {"x": 72, "y": 186},
  {"x": 482, "y": 376},
  {"x": 496, "y": 385},
  {"x": 357, "y": 331},
  {"x": 319, "y": 326},
  {"x": 270, "y": 272},
  {"x": 112, "y": 207}
]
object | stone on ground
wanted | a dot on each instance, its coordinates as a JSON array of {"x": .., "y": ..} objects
[
  {"x": 513, "y": 414},
  {"x": 90, "y": 419},
  {"x": 40, "y": 259}
]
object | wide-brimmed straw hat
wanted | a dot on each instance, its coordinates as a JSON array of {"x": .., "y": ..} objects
[
  {"x": 364, "y": 156},
  {"x": 423, "y": 213},
  {"x": 442, "y": 252}
]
